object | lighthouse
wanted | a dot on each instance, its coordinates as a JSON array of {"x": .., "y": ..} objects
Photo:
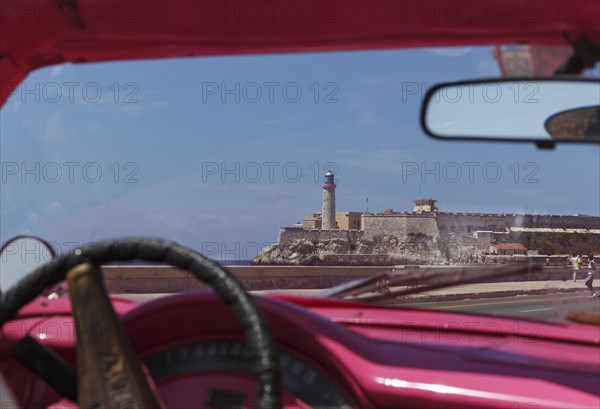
[{"x": 328, "y": 218}]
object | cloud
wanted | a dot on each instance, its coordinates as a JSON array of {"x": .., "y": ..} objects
[
  {"x": 138, "y": 108},
  {"x": 56, "y": 130},
  {"x": 488, "y": 68},
  {"x": 364, "y": 104},
  {"x": 381, "y": 160},
  {"x": 56, "y": 70},
  {"x": 287, "y": 118},
  {"x": 274, "y": 197},
  {"x": 247, "y": 218},
  {"x": 56, "y": 207},
  {"x": 448, "y": 51},
  {"x": 211, "y": 217},
  {"x": 203, "y": 222},
  {"x": 168, "y": 221},
  {"x": 368, "y": 117}
]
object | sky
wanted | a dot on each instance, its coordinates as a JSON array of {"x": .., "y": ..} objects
[{"x": 218, "y": 153}]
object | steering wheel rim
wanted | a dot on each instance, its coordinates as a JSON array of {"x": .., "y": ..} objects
[{"x": 222, "y": 281}]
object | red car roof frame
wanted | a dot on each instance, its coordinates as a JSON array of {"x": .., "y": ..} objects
[{"x": 38, "y": 33}]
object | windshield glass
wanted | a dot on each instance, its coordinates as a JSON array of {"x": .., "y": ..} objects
[{"x": 229, "y": 155}]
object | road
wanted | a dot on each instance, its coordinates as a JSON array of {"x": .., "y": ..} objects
[{"x": 547, "y": 306}]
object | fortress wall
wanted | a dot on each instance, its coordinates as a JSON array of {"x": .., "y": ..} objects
[
  {"x": 555, "y": 221},
  {"x": 470, "y": 222},
  {"x": 289, "y": 234},
  {"x": 399, "y": 224}
]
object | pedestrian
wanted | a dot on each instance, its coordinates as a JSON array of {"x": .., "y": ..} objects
[
  {"x": 590, "y": 276},
  {"x": 575, "y": 263},
  {"x": 547, "y": 261}
]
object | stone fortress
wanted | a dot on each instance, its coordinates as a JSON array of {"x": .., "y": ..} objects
[{"x": 425, "y": 235}]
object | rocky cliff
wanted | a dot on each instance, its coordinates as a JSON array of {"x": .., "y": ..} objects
[{"x": 380, "y": 250}]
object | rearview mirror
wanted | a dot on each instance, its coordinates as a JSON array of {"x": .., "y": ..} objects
[{"x": 532, "y": 109}]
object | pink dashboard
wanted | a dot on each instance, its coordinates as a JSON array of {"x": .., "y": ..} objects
[{"x": 331, "y": 354}]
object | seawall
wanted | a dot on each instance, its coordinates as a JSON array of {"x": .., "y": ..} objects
[{"x": 165, "y": 279}]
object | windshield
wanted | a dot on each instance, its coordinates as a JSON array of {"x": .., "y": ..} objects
[{"x": 311, "y": 167}]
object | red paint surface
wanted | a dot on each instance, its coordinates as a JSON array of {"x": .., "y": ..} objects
[
  {"x": 377, "y": 356},
  {"x": 33, "y": 36}
]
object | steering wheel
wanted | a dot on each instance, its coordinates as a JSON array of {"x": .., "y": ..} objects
[{"x": 114, "y": 365}]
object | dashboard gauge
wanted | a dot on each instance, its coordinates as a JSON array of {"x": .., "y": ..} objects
[{"x": 299, "y": 378}]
